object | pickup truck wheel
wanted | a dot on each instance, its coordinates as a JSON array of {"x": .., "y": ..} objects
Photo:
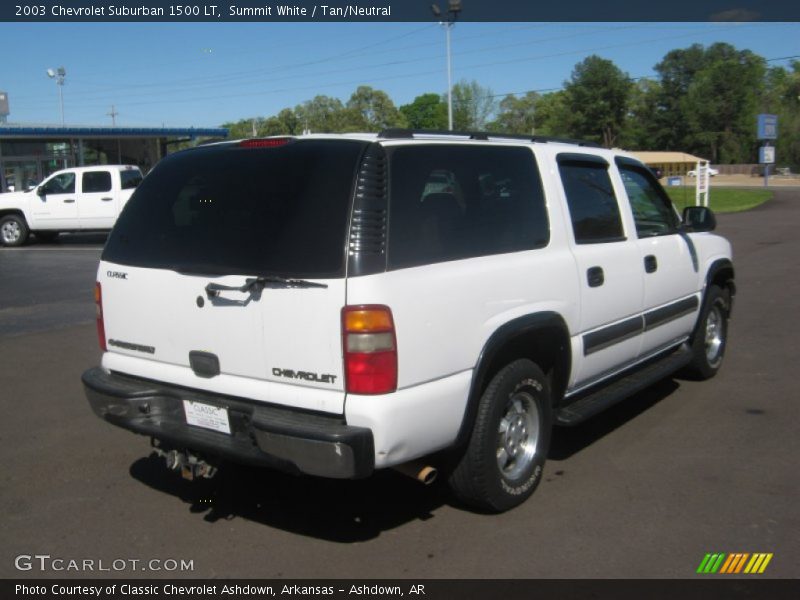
[
  {"x": 503, "y": 462},
  {"x": 13, "y": 230},
  {"x": 711, "y": 335}
]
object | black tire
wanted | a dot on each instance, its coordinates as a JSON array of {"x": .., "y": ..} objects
[
  {"x": 512, "y": 428},
  {"x": 46, "y": 236},
  {"x": 13, "y": 230},
  {"x": 711, "y": 335}
]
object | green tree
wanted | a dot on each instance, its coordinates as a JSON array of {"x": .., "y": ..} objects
[
  {"x": 707, "y": 102},
  {"x": 721, "y": 104},
  {"x": 597, "y": 97},
  {"x": 286, "y": 122},
  {"x": 517, "y": 115},
  {"x": 369, "y": 109},
  {"x": 473, "y": 104},
  {"x": 552, "y": 115},
  {"x": 642, "y": 118},
  {"x": 782, "y": 98},
  {"x": 427, "y": 111},
  {"x": 322, "y": 114},
  {"x": 670, "y": 128},
  {"x": 243, "y": 128}
]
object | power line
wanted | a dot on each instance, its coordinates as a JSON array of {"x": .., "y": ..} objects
[{"x": 361, "y": 68}]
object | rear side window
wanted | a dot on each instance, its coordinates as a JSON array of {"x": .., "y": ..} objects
[
  {"x": 592, "y": 204},
  {"x": 96, "y": 181},
  {"x": 233, "y": 210},
  {"x": 130, "y": 179},
  {"x": 449, "y": 202}
]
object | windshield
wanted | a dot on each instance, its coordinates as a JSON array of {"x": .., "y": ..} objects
[{"x": 233, "y": 210}]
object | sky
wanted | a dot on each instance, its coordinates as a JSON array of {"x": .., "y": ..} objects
[{"x": 206, "y": 74}]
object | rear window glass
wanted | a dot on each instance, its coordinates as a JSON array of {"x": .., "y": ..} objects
[
  {"x": 232, "y": 210},
  {"x": 449, "y": 202},
  {"x": 130, "y": 179}
]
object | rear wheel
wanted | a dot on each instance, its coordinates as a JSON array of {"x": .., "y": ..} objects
[
  {"x": 503, "y": 462},
  {"x": 13, "y": 230},
  {"x": 711, "y": 336}
]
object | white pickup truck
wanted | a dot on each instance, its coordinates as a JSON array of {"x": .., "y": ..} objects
[{"x": 78, "y": 199}]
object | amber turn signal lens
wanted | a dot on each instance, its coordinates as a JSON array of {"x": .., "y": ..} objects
[{"x": 368, "y": 320}]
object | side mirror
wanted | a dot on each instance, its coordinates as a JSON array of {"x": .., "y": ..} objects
[
  {"x": 40, "y": 191},
  {"x": 699, "y": 218}
]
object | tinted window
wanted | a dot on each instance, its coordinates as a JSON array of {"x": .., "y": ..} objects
[
  {"x": 592, "y": 204},
  {"x": 652, "y": 210},
  {"x": 453, "y": 202},
  {"x": 61, "y": 184},
  {"x": 130, "y": 179},
  {"x": 228, "y": 209},
  {"x": 96, "y": 181}
]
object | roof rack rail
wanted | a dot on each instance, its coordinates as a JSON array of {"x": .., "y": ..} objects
[{"x": 408, "y": 134}]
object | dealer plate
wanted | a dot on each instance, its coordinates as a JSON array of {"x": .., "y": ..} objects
[{"x": 207, "y": 416}]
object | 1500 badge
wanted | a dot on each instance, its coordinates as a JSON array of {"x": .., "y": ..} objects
[{"x": 306, "y": 375}]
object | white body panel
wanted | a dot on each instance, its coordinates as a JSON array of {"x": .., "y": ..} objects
[
  {"x": 414, "y": 421},
  {"x": 438, "y": 333}
]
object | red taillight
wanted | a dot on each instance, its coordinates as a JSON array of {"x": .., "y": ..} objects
[
  {"x": 264, "y": 143},
  {"x": 370, "y": 349},
  {"x": 101, "y": 327}
]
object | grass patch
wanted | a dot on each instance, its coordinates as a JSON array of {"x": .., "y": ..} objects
[{"x": 722, "y": 200}]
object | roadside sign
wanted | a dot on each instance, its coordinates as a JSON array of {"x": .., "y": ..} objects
[
  {"x": 674, "y": 181},
  {"x": 766, "y": 155},
  {"x": 767, "y": 127},
  {"x": 701, "y": 185}
]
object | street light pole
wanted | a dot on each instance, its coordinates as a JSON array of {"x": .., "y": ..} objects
[
  {"x": 59, "y": 75},
  {"x": 447, "y": 27},
  {"x": 453, "y": 9}
]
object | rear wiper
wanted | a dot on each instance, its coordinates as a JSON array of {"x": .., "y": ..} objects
[{"x": 256, "y": 284}]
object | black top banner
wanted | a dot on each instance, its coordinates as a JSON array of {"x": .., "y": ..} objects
[{"x": 327, "y": 11}]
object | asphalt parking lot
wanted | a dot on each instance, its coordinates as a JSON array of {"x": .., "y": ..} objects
[{"x": 642, "y": 491}]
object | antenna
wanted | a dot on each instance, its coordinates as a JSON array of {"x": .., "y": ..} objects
[{"x": 113, "y": 114}]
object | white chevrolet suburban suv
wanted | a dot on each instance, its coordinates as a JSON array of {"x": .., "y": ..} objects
[
  {"x": 78, "y": 199},
  {"x": 337, "y": 304}
]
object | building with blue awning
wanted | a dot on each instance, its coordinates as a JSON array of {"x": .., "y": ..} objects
[{"x": 29, "y": 153}]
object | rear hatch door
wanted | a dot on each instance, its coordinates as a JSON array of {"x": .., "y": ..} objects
[{"x": 235, "y": 254}]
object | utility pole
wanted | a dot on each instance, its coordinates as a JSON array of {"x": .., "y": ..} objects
[{"x": 113, "y": 114}]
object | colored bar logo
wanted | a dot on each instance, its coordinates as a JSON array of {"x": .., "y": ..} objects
[{"x": 728, "y": 564}]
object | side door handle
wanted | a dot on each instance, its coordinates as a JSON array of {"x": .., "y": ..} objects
[
  {"x": 595, "y": 276},
  {"x": 650, "y": 263},
  {"x": 106, "y": 199},
  {"x": 69, "y": 201}
]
